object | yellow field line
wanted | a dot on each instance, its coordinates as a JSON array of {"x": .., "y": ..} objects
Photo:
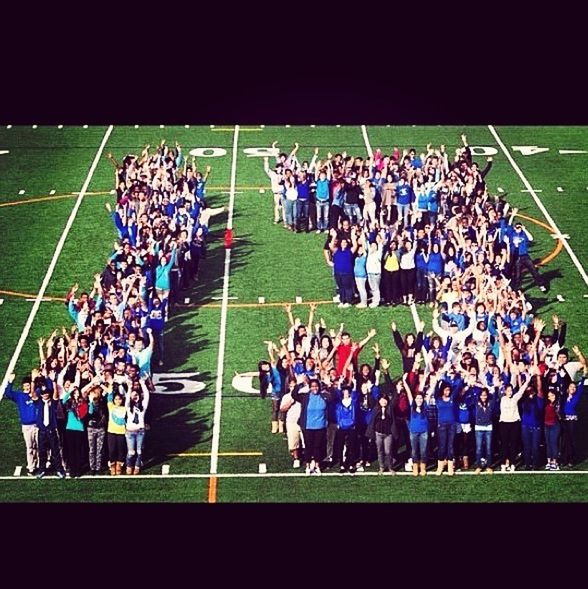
[
  {"x": 208, "y": 454},
  {"x": 231, "y": 129},
  {"x": 212, "y": 485}
]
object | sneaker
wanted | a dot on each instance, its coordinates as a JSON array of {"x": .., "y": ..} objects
[
  {"x": 512, "y": 468},
  {"x": 361, "y": 306},
  {"x": 555, "y": 467},
  {"x": 60, "y": 474},
  {"x": 489, "y": 470},
  {"x": 341, "y": 305},
  {"x": 30, "y": 473},
  {"x": 317, "y": 470},
  {"x": 307, "y": 470},
  {"x": 549, "y": 466},
  {"x": 342, "y": 470},
  {"x": 373, "y": 305},
  {"x": 368, "y": 464},
  {"x": 318, "y": 231},
  {"x": 381, "y": 471},
  {"x": 478, "y": 470},
  {"x": 296, "y": 464},
  {"x": 503, "y": 468},
  {"x": 346, "y": 305},
  {"x": 543, "y": 289},
  {"x": 358, "y": 469},
  {"x": 41, "y": 474}
]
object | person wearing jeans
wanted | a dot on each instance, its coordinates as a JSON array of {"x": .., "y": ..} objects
[
  {"x": 322, "y": 202},
  {"x": 290, "y": 201},
  {"x": 510, "y": 425},
  {"x": 136, "y": 404},
  {"x": 570, "y": 400},
  {"x": 374, "y": 270},
  {"x": 343, "y": 269},
  {"x": 360, "y": 275},
  {"x": 419, "y": 432},
  {"x": 446, "y": 428},
  {"x": 382, "y": 426},
  {"x": 552, "y": 430},
  {"x": 484, "y": 411}
]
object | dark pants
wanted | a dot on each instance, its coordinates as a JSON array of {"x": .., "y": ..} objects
[
  {"x": 117, "y": 447},
  {"x": 524, "y": 262},
  {"x": 277, "y": 415},
  {"x": 315, "y": 444},
  {"x": 531, "y": 438},
  {"x": 421, "y": 284},
  {"x": 446, "y": 433},
  {"x": 567, "y": 441},
  {"x": 345, "y": 287},
  {"x": 75, "y": 456},
  {"x": 432, "y": 444},
  {"x": 408, "y": 281},
  {"x": 334, "y": 214},
  {"x": 345, "y": 438},
  {"x": 49, "y": 440},
  {"x": 302, "y": 209},
  {"x": 464, "y": 444},
  {"x": 509, "y": 440},
  {"x": 391, "y": 286}
]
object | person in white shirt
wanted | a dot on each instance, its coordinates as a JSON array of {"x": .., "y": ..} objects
[
  {"x": 136, "y": 404},
  {"x": 292, "y": 409},
  {"x": 277, "y": 182}
]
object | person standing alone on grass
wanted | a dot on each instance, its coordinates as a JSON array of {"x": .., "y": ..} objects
[{"x": 27, "y": 411}]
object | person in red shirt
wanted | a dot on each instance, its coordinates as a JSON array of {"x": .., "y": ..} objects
[{"x": 344, "y": 350}]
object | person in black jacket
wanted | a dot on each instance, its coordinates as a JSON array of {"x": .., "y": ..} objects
[
  {"x": 409, "y": 346},
  {"x": 382, "y": 427}
]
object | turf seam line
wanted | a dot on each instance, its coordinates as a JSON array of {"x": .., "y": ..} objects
[
  {"x": 53, "y": 263},
  {"x": 541, "y": 206},
  {"x": 223, "y": 322}
]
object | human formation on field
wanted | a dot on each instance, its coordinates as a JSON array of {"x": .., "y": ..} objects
[
  {"x": 407, "y": 229},
  {"x": 85, "y": 407}
]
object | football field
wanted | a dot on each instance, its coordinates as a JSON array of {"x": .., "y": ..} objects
[{"x": 210, "y": 430}]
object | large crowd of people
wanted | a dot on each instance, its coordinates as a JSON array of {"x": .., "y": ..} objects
[
  {"x": 86, "y": 406},
  {"x": 406, "y": 228}
]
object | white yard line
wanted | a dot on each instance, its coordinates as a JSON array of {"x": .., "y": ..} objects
[
  {"x": 252, "y": 475},
  {"x": 223, "y": 323},
  {"x": 56, "y": 254},
  {"x": 415, "y": 316},
  {"x": 533, "y": 193},
  {"x": 367, "y": 141}
]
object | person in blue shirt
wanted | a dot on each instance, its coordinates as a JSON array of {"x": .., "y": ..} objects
[
  {"x": 569, "y": 408},
  {"x": 313, "y": 421},
  {"x": 445, "y": 395},
  {"x": 404, "y": 198},
  {"x": 346, "y": 415},
  {"x": 342, "y": 268},
  {"x": 532, "y": 408},
  {"x": 322, "y": 201},
  {"x": 27, "y": 411},
  {"x": 156, "y": 316},
  {"x": 520, "y": 239},
  {"x": 303, "y": 202}
]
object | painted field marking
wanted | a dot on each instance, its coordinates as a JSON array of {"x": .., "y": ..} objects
[
  {"x": 529, "y": 149},
  {"x": 35, "y": 126},
  {"x": 17, "y": 471},
  {"x": 43, "y": 300},
  {"x": 531, "y": 190},
  {"x": 559, "y": 189},
  {"x": 186, "y": 301},
  {"x": 165, "y": 469},
  {"x": 84, "y": 126},
  {"x": 222, "y": 298},
  {"x": 162, "y": 126},
  {"x": 212, "y": 126},
  {"x": 367, "y": 141},
  {"x": 287, "y": 126},
  {"x": 262, "y": 126},
  {"x": 586, "y": 296},
  {"x": 415, "y": 315},
  {"x": 261, "y": 300},
  {"x": 571, "y": 151},
  {"x": 262, "y": 468},
  {"x": 539, "y": 203},
  {"x": 313, "y": 126},
  {"x": 4, "y": 151},
  {"x": 298, "y": 300},
  {"x": 262, "y": 191},
  {"x": 560, "y": 236},
  {"x": 60, "y": 126},
  {"x": 223, "y": 323},
  {"x": 9, "y": 126},
  {"x": 50, "y": 270},
  {"x": 136, "y": 126},
  {"x": 1, "y": 301},
  {"x": 256, "y": 475},
  {"x": 21, "y": 192},
  {"x": 337, "y": 126},
  {"x": 186, "y": 126},
  {"x": 500, "y": 189}
]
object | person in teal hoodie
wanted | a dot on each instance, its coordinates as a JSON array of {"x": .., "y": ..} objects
[{"x": 162, "y": 273}]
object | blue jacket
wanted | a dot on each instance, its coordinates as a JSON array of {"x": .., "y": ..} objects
[
  {"x": 532, "y": 411},
  {"x": 27, "y": 409},
  {"x": 570, "y": 405},
  {"x": 346, "y": 417},
  {"x": 53, "y": 404}
]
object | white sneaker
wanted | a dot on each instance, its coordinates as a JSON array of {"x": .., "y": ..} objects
[
  {"x": 359, "y": 469},
  {"x": 296, "y": 464},
  {"x": 361, "y": 306},
  {"x": 512, "y": 468},
  {"x": 503, "y": 468},
  {"x": 317, "y": 470},
  {"x": 341, "y": 305},
  {"x": 318, "y": 231},
  {"x": 346, "y": 305},
  {"x": 374, "y": 305}
]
